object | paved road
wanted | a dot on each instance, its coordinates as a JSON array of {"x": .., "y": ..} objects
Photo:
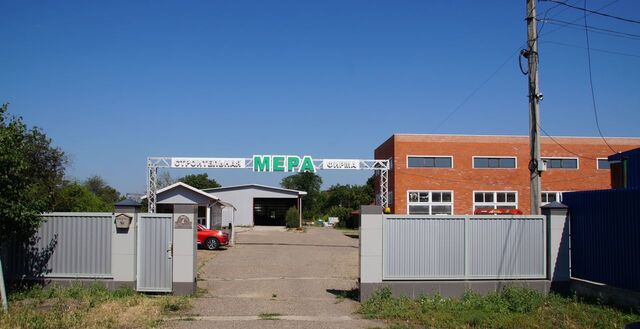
[{"x": 278, "y": 279}]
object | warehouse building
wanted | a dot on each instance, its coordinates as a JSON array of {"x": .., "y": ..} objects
[
  {"x": 256, "y": 204},
  {"x": 457, "y": 174}
]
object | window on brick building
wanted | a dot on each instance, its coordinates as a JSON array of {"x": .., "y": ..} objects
[
  {"x": 561, "y": 163},
  {"x": 429, "y": 162},
  {"x": 495, "y": 200},
  {"x": 551, "y": 196},
  {"x": 603, "y": 163},
  {"x": 430, "y": 202},
  {"x": 494, "y": 162}
]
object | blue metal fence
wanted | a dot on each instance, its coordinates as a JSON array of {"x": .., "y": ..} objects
[{"x": 605, "y": 236}]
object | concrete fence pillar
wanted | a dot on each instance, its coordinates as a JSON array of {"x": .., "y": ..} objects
[
  {"x": 123, "y": 244},
  {"x": 370, "y": 249},
  {"x": 558, "y": 265},
  {"x": 184, "y": 248}
]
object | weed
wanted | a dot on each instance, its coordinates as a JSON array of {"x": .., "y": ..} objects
[
  {"x": 510, "y": 308},
  {"x": 174, "y": 304},
  {"x": 88, "y": 306}
]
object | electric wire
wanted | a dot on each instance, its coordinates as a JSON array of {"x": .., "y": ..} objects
[
  {"x": 575, "y": 20},
  {"x": 563, "y": 147},
  {"x": 593, "y": 95},
  {"x": 593, "y": 29},
  {"x": 466, "y": 99},
  {"x": 595, "y": 12},
  {"x": 592, "y": 49}
]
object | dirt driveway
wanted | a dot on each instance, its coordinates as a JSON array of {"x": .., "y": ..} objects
[{"x": 278, "y": 279}]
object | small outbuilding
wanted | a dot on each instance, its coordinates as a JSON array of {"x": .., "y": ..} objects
[
  {"x": 257, "y": 204},
  {"x": 208, "y": 208}
]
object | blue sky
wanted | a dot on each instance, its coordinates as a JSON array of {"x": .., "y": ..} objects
[{"x": 112, "y": 82}]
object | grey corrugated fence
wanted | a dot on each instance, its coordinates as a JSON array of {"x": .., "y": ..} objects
[
  {"x": 464, "y": 247},
  {"x": 67, "y": 245},
  {"x": 605, "y": 236}
]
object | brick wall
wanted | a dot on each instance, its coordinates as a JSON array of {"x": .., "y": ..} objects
[{"x": 463, "y": 179}]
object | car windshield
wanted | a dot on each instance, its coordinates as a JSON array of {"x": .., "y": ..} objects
[{"x": 201, "y": 228}]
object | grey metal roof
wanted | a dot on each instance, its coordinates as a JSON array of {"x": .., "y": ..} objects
[{"x": 256, "y": 186}]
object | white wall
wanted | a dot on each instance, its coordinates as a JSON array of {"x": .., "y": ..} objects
[{"x": 242, "y": 199}]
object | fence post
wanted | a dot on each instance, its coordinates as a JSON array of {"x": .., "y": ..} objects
[
  {"x": 558, "y": 265},
  {"x": 123, "y": 245},
  {"x": 3, "y": 293},
  {"x": 371, "y": 221}
]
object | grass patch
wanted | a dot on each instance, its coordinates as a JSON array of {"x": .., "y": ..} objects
[
  {"x": 510, "y": 308},
  {"x": 88, "y": 307},
  {"x": 269, "y": 316}
]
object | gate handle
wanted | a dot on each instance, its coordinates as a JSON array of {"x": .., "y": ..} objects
[{"x": 170, "y": 250}]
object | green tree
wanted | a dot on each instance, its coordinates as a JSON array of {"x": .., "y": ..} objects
[
  {"x": 30, "y": 171},
  {"x": 348, "y": 196},
  {"x": 370, "y": 186},
  {"x": 73, "y": 196},
  {"x": 310, "y": 183},
  {"x": 104, "y": 192},
  {"x": 199, "y": 181},
  {"x": 342, "y": 213}
]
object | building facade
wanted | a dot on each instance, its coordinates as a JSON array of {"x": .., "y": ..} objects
[{"x": 457, "y": 174}]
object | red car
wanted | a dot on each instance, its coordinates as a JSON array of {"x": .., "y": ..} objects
[{"x": 212, "y": 239}]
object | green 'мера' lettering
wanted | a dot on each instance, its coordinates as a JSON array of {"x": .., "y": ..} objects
[
  {"x": 261, "y": 163},
  {"x": 292, "y": 163},
  {"x": 278, "y": 163},
  {"x": 307, "y": 164}
]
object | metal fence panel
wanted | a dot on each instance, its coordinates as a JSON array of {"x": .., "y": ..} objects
[
  {"x": 605, "y": 231},
  {"x": 507, "y": 248},
  {"x": 66, "y": 245},
  {"x": 464, "y": 247},
  {"x": 423, "y": 247},
  {"x": 155, "y": 236}
]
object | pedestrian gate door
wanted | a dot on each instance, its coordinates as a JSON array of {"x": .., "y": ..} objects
[{"x": 155, "y": 252}]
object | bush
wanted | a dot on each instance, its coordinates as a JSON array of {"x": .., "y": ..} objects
[
  {"x": 293, "y": 218},
  {"x": 342, "y": 213}
]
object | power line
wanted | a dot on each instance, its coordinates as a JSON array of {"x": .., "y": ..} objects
[
  {"x": 592, "y": 29},
  {"x": 592, "y": 49},
  {"x": 577, "y": 19},
  {"x": 457, "y": 108},
  {"x": 595, "y": 12},
  {"x": 563, "y": 147},
  {"x": 593, "y": 95}
]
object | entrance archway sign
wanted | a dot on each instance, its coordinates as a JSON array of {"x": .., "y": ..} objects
[{"x": 267, "y": 163}]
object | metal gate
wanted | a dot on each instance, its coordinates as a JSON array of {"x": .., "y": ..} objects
[{"x": 155, "y": 252}]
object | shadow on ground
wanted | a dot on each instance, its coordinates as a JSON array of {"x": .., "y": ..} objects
[{"x": 352, "y": 294}]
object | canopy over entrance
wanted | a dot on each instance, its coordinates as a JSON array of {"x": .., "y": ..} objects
[{"x": 267, "y": 163}]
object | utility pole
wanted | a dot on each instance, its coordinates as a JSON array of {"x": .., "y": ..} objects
[{"x": 531, "y": 53}]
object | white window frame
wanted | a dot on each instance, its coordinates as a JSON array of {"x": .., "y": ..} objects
[
  {"x": 473, "y": 160},
  {"x": 557, "y": 193},
  {"x": 598, "y": 164},
  {"x": 430, "y": 203},
  {"x": 545, "y": 158},
  {"x": 495, "y": 203},
  {"x": 428, "y": 156}
]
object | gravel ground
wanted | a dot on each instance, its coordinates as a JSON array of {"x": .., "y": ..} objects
[{"x": 276, "y": 279}]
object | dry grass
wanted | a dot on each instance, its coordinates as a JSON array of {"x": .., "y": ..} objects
[{"x": 89, "y": 307}]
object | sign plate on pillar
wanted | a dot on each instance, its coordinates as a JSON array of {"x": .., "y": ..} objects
[{"x": 183, "y": 222}]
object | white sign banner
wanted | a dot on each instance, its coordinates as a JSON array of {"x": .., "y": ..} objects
[
  {"x": 207, "y": 163},
  {"x": 340, "y": 164}
]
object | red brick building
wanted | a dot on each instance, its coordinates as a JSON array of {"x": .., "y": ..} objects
[{"x": 455, "y": 174}]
